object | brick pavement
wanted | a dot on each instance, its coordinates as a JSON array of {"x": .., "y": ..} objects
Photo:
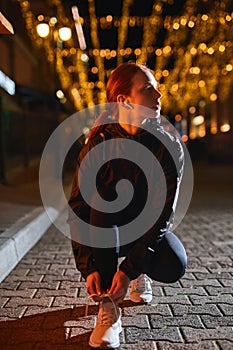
[
  {"x": 43, "y": 299},
  {"x": 23, "y": 221}
]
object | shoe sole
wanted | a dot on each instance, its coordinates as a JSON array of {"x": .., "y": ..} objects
[
  {"x": 115, "y": 346},
  {"x": 141, "y": 300}
]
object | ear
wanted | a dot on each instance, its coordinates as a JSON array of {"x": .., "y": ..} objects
[{"x": 121, "y": 98}]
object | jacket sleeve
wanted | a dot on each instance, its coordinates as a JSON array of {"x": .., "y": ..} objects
[
  {"x": 78, "y": 209},
  {"x": 134, "y": 262}
]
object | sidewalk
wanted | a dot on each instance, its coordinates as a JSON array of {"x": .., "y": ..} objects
[
  {"x": 43, "y": 298},
  {"x": 23, "y": 220}
]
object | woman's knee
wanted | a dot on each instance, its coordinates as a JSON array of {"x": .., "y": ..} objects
[
  {"x": 174, "y": 271},
  {"x": 171, "y": 271},
  {"x": 170, "y": 261}
]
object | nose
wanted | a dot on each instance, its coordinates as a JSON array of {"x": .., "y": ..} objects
[{"x": 157, "y": 94}]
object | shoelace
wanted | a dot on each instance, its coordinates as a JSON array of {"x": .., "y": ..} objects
[{"x": 101, "y": 296}]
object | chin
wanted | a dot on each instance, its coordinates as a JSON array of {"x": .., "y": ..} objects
[
  {"x": 157, "y": 113},
  {"x": 153, "y": 113}
]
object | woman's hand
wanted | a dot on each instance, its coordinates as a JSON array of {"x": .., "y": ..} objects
[
  {"x": 120, "y": 284},
  {"x": 93, "y": 285}
]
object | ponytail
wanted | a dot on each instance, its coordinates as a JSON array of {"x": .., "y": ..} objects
[{"x": 101, "y": 120}]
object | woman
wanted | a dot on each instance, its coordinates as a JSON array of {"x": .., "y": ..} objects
[{"x": 157, "y": 252}]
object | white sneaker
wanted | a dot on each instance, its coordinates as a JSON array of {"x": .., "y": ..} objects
[
  {"x": 141, "y": 290},
  {"x": 105, "y": 335}
]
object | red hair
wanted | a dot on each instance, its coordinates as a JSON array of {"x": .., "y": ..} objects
[{"x": 120, "y": 82}]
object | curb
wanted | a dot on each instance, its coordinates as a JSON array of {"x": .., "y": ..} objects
[{"x": 16, "y": 241}]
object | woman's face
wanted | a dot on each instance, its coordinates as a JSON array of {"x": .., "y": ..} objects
[{"x": 145, "y": 92}]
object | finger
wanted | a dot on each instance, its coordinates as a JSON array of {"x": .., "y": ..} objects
[
  {"x": 98, "y": 289},
  {"x": 113, "y": 287},
  {"x": 91, "y": 287},
  {"x": 119, "y": 293},
  {"x": 118, "y": 298},
  {"x": 96, "y": 299},
  {"x": 92, "y": 291},
  {"x": 116, "y": 294}
]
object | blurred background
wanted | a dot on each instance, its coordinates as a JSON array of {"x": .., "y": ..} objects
[{"x": 60, "y": 56}]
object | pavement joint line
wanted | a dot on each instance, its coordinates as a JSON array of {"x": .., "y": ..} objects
[
  {"x": 18, "y": 239},
  {"x": 223, "y": 243}
]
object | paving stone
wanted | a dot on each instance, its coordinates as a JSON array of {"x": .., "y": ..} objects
[
  {"x": 23, "y": 346},
  {"x": 57, "y": 293},
  {"x": 196, "y": 269},
  {"x": 174, "y": 285},
  {"x": 37, "y": 310},
  {"x": 12, "y": 278},
  {"x": 3, "y": 301},
  {"x": 5, "y": 334},
  {"x": 217, "y": 321},
  {"x": 58, "y": 267},
  {"x": 228, "y": 282},
  {"x": 56, "y": 319},
  {"x": 185, "y": 291},
  {"x": 77, "y": 331},
  {"x": 226, "y": 309},
  {"x": 60, "y": 277},
  {"x": 18, "y": 271},
  {"x": 170, "y": 333},
  {"x": 5, "y": 285},
  {"x": 208, "y": 259},
  {"x": 193, "y": 335},
  {"x": 219, "y": 275},
  {"x": 146, "y": 309},
  {"x": 11, "y": 312},
  {"x": 141, "y": 321},
  {"x": 204, "y": 345},
  {"x": 141, "y": 345},
  {"x": 65, "y": 301},
  {"x": 29, "y": 293},
  {"x": 37, "y": 285},
  {"x": 71, "y": 284},
  {"x": 218, "y": 290},
  {"x": 187, "y": 276},
  {"x": 18, "y": 336},
  {"x": 157, "y": 290},
  {"x": 19, "y": 301},
  {"x": 209, "y": 309},
  {"x": 37, "y": 269},
  {"x": 81, "y": 344},
  {"x": 202, "y": 283},
  {"x": 70, "y": 272},
  {"x": 225, "y": 345},
  {"x": 158, "y": 321},
  {"x": 219, "y": 299},
  {"x": 174, "y": 299}
]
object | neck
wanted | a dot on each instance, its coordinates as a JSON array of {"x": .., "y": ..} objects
[
  {"x": 131, "y": 126},
  {"x": 130, "y": 129}
]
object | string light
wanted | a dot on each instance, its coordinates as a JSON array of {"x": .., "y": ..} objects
[
  {"x": 78, "y": 26},
  {"x": 96, "y": 44},
  {"x": 198, "y": 70},
  {"x": 225, "y": 127},
  {"x": 42, "y": 30},
  {"x": 198, "y": 120}
]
